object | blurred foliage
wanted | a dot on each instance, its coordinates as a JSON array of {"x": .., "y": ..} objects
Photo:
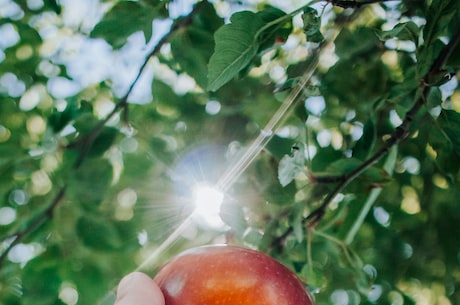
[{"x": 355, "y": 187}]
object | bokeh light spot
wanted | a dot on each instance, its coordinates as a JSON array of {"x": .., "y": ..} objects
[{"x": 7, "y": 216}]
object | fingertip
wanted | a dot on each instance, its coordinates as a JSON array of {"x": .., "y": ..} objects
[{"x": 138, "y": 288}]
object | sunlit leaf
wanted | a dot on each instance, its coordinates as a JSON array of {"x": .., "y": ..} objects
[
  {"x": 236, "y": 45},
  {"x": 124, "y": 19},
  {"x": 239, "y": 41},
  {"x": 233, "y": 215},
  {"x": 291, "y": 165},
  {"x": 403, "y": 31},
  {"x": 312, "y": 24}
]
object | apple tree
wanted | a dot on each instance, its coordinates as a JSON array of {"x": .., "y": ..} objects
[{"x": 325, "y": 134}]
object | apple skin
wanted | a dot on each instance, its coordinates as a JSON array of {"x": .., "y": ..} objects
[{"x": 229, "y": 275}]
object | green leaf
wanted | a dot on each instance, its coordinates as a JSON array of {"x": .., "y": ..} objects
[
  {"x": 124, "y": 19},
  {"x": 238, "y": 42},
  {"x": 324, "y": 157},
  {"x": 449, "y": 121},
  {"x": 58, "y": 120},
  {"x": 366, "y": 143},
  {"x": 91, "y": 275},
  {"x": 314, "y": 275},
  {"x": 98, "y": 233},
  {"x": 103, "y": 141},
  {"x": 291, "y": 166},
  {"x": 361, "y": 41},
  {"x": 85, "y": 123},
  {"x": 54, "y": 5},
  {"x": 192, "y": 46},
  {"x": 426, "y": 55},
  {"x": 402, "y": 94},
  {"x": 434, "y": 98},
  {"x": 454, "y": 59},
  {"x": 266, "y": 171},
  {"x": 253, "y": 237},
  {"x": 236, "y": 45},
  {"x": 278, "y": 32},
  {"x": 361, "y": 208},
  {"x": 233, "y": 215},
  {"x": 41, "y": 280},
  {"x": 403, "y": 31},
  {"x": 312, "y": 24},
  {"x": 90, "y": 182},
  {"x": 279, "y": 146},
  {"x": 439, "y": 17}
]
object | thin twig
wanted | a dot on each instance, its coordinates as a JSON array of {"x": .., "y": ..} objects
[
  {"x": 85, "y": 142},
  {"x": 34, "y": 225},
  {"x": 399, "y": 135},
  {"x": 355, "y": 4}
]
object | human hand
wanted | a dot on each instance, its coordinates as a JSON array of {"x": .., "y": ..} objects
[{"x": 138, "y": 289}]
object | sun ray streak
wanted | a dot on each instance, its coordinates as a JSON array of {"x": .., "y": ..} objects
[
  {"x": 152, "y": 258},
  {"x": 235, "y": 169}
]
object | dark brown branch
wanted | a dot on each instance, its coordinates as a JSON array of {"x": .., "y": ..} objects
[
  {"x": 34, "y": 225},
  {"x": 355, "y": 4},
  {"x": 399, "y": 135},
  {"x": 85, "y": 142},
  {"x": 327, "y": 179}
]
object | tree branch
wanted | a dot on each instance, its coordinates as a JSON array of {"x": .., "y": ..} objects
[
  {"x": 85, "y": 142},
  {"x": 34, "y": 225},
  {"x": 355, "y": 4},
  {"x": 398, "y": 136}
]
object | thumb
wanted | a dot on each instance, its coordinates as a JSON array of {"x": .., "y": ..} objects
[{"x": 138, "y": 289}]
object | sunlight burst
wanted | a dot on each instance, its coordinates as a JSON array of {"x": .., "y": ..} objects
[{"x": 207, "y": 201}]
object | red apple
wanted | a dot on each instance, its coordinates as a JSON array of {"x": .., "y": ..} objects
[{"x": 228, "y": 275}]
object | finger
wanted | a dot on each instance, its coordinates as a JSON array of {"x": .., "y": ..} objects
[{"x": 138, "y": 289}]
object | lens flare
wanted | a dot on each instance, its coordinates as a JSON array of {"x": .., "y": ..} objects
[{"x": 207, "y": 201}]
